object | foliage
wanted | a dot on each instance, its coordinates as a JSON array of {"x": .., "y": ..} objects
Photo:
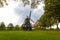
[
  {"x": 10, "y": 26},
  {"x": 46, "y": 20},
  {"x": 51, "y": 14},
  {"x": 52, "y": 7},
  {"x": 36, "y": 25},
  {"x": 2, "y": 2},
  {"x": 2, "y": 26},
  {"x": 32, "y": 3},
  {"x": 17, "y": 27}
]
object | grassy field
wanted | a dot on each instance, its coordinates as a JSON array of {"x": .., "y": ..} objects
[{"x": 29, "y": 35}]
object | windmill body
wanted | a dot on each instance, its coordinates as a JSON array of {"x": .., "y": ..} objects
[{"x": 27, "y": 25}]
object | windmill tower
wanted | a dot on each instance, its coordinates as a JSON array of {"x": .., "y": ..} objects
[{"x": 27, "y": 25}]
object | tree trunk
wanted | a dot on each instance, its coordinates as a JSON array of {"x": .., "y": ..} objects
[{"x": 57, "y": 24}]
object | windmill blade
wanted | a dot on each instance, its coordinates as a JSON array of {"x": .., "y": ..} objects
[
  {"x": 32, "y": 20},
  {"x": 30, "y": 15}
]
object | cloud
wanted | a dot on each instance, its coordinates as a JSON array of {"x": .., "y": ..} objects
[
  {"x": 15, "y": 13},
  {"x": 23, "y": 12},
  {"x": 7, "y": 14}
]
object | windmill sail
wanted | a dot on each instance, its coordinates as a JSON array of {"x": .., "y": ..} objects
[
  {"x": 32, "y": 20},
  {"x": 27, "y": 25},
  {"x": 30, "y": 15}
]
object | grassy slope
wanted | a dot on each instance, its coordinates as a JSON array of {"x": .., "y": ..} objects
[{"x": 29, "y": 35}]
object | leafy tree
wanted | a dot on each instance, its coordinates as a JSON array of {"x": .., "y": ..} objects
[
  {"x": 36, "y": 25},
  {"x": 43, "y": 20},
  {"x": 46, "y": 20},
  {"x": 17, "y": 27},
  {"x": 2, "y": 26},
  {"x": 53, "y": 7},
  {"x": 10, "y": 27},
  {"x": 51, "y": 14},
  {"x": 32, "y": 3},
  {"x": 2, "y": 2}
]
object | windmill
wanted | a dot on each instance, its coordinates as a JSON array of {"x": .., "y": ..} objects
[{"x": 27, "y": 25}]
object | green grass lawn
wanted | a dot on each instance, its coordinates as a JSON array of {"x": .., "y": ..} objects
[{"x": 29, "y": 35}]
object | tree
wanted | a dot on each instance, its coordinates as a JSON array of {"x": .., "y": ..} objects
[
  {"x": 10, "y": 27},
  {"x": 51, "y": 14},
  {"x": 36, "y": 25},
  {"x": 17, "y": 27},
  {"x": 32, "y": 3},
  {"x": 2, "y": 26},
  {"x": 52, "y": 7},
  {"x": 2, "y": 2},
  {"x": 46, "y": 20}
]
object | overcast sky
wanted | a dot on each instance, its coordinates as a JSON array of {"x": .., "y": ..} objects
[{"x": 15, "y": 13}]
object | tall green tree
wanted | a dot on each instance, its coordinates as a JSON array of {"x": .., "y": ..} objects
[
  {"x": 10, "y": 26},
  {"x": 51, "y": 14},
  {"x": 43, "y": 20},
  {"x": 2, "y": 26},
  {"x": 17, "y": 27},
  {"x": 47, "y": 20},
  {"x": 53, "y": 7}
]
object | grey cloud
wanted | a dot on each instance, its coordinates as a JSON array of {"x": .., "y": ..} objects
[{"x": 25, "y": 11}]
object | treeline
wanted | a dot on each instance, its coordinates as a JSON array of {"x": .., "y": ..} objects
[
  {"x": 10, "y": 26},
  {"x": 51, "y": 14}
]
